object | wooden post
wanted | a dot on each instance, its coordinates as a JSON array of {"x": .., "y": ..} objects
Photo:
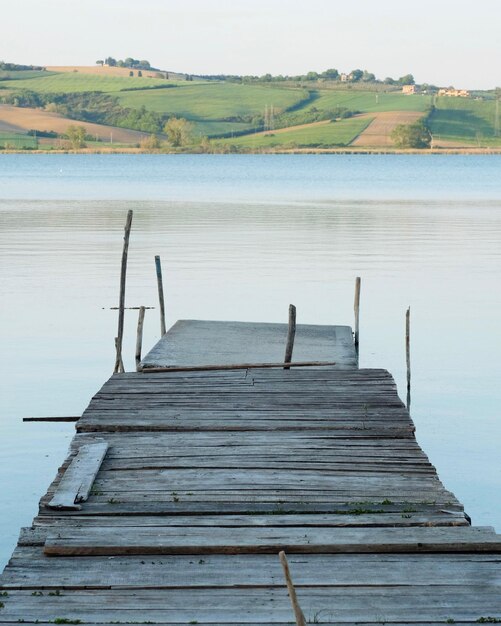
[
  {"x": 158, "y": 267},
  {"x": 300, "y": 620},
  {"x": 356, "y": 308},
  {"x": 120, "y": 368},
  {"x": 291, "y": 333},
  {"x": 408, "y": 354},
  {"x": 121, "y": 302},
  {"x": 139, "y": 336}
]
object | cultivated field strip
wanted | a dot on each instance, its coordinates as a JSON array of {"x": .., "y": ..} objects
[{"x": 207, "y": 475}]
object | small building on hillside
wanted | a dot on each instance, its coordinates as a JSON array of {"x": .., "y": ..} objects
[
  {"x": 344, "y": 78},
  {"x": 409, "y": 89},
  {"x": 454, "y": 93}
]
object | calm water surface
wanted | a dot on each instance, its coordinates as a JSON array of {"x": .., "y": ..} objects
[{"x": 241, "y": 237}]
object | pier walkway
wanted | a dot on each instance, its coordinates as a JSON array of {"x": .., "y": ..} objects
[{"x": 181, "y": 488}]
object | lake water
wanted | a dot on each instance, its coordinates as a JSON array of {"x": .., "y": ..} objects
[{"x": 242, "y": 236}]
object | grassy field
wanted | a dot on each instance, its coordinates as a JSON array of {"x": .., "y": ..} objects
[
  {"x": 367, "y": 102},
  {"x": 23, "y": 75},
  {"x": 208, "y": 128},
  {"x": 213, "y": 101},
  {"x": 75, "y": 82},
  {"x": 17, "y": 141},
  {"x": 319, "y": 134},
  {"x": 464, "y": 120}
]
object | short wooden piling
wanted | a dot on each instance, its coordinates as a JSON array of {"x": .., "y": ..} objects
[
  {"x": 139, "y": 336},
  {"x": 120, "y": 368},
  {"x": 356, "y": 308},
  {"x": 291, "y": 333},
  {"x": 158, "y": 267},
  {"x": 408, "y": 354},
  {"x": 298, "y": 613},
  {"x": 121, "y": 303}
]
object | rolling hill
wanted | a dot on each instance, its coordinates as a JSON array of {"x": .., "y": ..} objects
[{"x": 234, "y": 115}]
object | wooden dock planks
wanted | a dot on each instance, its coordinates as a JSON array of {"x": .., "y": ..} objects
[
  {"x": 208, "y": 342},
  {"x": 208, "y": 475}
]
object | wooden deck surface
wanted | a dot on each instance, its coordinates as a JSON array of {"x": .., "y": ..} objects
[
  {"x": 207, "y": 475},
  {"x": 202, "y": 342}
]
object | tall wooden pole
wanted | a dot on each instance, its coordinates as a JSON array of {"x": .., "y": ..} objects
[
  {"x": 121, "y": 302},
  {"x": 298, "y": 613},
  {"x": 291, "y": 333},
  {"x": 356, "y": 308},
  {"x": 408, "y": 354},
  {"x": 158, "y": 267},
  {"x": 139, "y": 336}
]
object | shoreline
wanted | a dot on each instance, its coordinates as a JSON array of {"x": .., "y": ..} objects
[{"x": 351, "y": 151}]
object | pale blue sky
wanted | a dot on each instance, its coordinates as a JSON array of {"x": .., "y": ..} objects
[{"x": 446, "y": 42}]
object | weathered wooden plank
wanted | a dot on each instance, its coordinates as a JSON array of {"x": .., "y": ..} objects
[
  {"x": 29, "y": 569},
  {"x": 263, "y": 605},
  {"x": 178, "y": 505},
  {"x": 191, "y": 540},
  {"x": 379, "y": 518},
  {"x": 77, "y": 481}
]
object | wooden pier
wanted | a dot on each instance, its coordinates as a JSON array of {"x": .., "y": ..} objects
[{"x": 181, "y": 487}]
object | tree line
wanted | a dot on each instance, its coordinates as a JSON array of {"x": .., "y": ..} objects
[
  {"x": 129, "y": 62},
  {"x": 355, "y": 76}
]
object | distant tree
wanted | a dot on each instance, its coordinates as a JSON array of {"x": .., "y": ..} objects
[
  {"x": 415, "y": 135},
  {"x": 100, "y": 62},
  {"x": 144, "y": 64},
  {"x": 408, "y": 79},
  {"x": 110, "y": 61},
  {"x": 331, "y": 74},
  {"x": 267, "y": 78},
  {"x": 179, "y": 131},
  {"x": 76, "y": 135},
  {"x": 150, "y": 143},
  {"x": 389, "y": 80},
  {"x": 368, "y": 77},
  {"x": 312, "y": 76},
  {"x": 356, "y": 75},
  {"x": 205, "y": 145}
]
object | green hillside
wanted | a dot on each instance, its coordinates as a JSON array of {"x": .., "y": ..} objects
[
  {"x": 74, "y": 82},
  {"x": 368, "y": 102},
  {"x": 465, "y": 119},
  {"x": 320, "y": 135},
  {"x": 236, "y": 113},
  {"x": 215, "y": 101}
]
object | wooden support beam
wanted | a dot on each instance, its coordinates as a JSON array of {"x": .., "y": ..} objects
[
  {"x": 291, "y": 333},
  {"x": 356, "y": 308},
  {"x": 139, "y": 337},
  {"x": 237, "y": 366},
  {"x": 121, "y": 303},
  {"x": 160, "y": 285},
  {"x": 121, "y": 368},
  {"x": 127, "y": 308},
  {"x": 408, "y": 354},
  {"x": 298, "y": 613},
  {"x": 71, "y": 418}
]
